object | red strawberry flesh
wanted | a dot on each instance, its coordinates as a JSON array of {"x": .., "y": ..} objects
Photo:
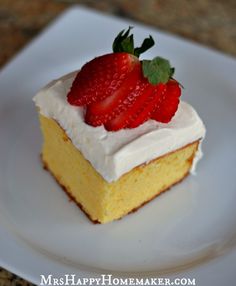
[
  {"x": 122, "y": 120},
  {"x": 151, "y": 103},
  {"x": 100, "y": 78},
  {"x": 100, "y": 112},
  {"x": 169, "y": 105}
]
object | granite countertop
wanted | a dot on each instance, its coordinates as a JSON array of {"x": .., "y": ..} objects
[{"x": 210, "y": 22}]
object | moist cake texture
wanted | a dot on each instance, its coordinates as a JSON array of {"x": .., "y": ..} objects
[{"x": 100, "y": 200}]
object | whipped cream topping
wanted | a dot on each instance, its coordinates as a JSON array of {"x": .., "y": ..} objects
[{"x": 113, "y": 154}]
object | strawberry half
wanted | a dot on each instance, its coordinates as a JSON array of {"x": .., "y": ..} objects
[{"x": 100, "y": 78}]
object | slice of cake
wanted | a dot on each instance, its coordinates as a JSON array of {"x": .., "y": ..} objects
[{"x": 115, "y": 134}]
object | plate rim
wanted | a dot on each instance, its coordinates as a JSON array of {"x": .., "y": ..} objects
[{"x": 66, "y": 13}]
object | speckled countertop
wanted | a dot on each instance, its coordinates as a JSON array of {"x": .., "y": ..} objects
[{"x": 210, "y": 22}]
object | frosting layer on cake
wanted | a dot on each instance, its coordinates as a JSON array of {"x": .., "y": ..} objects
[{"x": 113, "y": 154}]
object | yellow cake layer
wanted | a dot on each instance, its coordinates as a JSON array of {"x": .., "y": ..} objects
[{"x": 100, "y": 200}]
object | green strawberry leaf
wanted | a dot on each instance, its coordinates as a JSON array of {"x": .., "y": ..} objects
[
  {"x": 127, "y": 45},
  {"x": 124, "y": 42},
  {"x": 146, "y": 45},
  {"x": 157, "y": 70}
]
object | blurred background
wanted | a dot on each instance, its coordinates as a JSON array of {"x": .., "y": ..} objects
[{"x": 209, "y": 22}]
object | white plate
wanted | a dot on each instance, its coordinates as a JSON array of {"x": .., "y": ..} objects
[{"x": 182, "y": 230}]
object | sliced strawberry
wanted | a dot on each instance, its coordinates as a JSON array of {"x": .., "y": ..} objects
[
  {"x": 119, "y": 91},
  {"x": 100, "y": 78},
  {"x": 145, "y": 89},
  {"x": 100, "y": 112},
  {"x": 152, "y": 103},
  {"x": 166, "y": 110}
]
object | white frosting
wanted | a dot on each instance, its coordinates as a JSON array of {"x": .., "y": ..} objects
[{"x": 113, "y": 154}]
